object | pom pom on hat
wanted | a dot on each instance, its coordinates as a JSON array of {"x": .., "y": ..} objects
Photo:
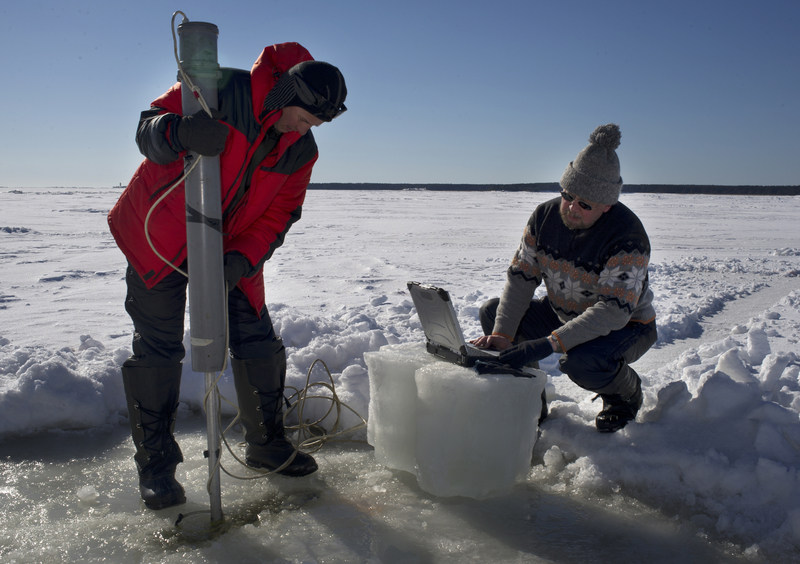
[
  {"x": 606, "y": 135},
  {"x": 594, "y": 174}
]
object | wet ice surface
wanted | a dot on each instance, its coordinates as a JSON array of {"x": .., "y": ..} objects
[
  {"x": 708, "y": 474},
  {"x": 353, "y": 510}
]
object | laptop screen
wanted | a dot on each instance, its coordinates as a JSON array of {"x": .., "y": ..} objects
[{"x": 437, "y": 316}]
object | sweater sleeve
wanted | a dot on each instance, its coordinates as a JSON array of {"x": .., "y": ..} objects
[{"x": 523, "y": 277}]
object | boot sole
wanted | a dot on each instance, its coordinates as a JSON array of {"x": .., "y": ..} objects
[
  {"x": 612, "y": 428},
  {"x": 165, "y": 504},
  {"x": 297, "y": 473}
]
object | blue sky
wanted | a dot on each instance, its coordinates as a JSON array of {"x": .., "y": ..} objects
[{"x": 705, "y": 92}]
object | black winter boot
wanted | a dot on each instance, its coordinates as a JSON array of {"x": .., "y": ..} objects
[
  {"x": 622, "y": 400},
  {"x": 152, "y": 395},
  {"x": 259, "y": 391}
]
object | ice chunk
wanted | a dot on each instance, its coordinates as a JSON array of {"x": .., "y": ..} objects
[
  {"x": 460, "y": 433},
  {"x": 379, "y": 300},
  {"x": 392, "y": 423},
  {"x": 730, "y": 363},
  {"x": 87, "y": 343},
  {"x": 772, "y": 368},
  {"x": 757, "y": 345},
  {"x": 688, "y": 358},
  {"x": 721, "y": 397},
  {"x": 671, "y": 398},
  {"x": 710, "y": 350},
  {"x": 475, "y": 434},
  {"x": 554, "y": 460},
  {"x": 88, "y": 494}
]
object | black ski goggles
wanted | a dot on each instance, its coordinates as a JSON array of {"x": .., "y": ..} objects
[
  {"x": 570, "y": 198},
  {"x": 327, "y": 110}
]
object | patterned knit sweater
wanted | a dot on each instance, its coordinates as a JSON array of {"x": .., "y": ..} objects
[{"x": 596, "y": 278}]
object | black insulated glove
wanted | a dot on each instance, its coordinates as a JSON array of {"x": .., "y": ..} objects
[
  {"x": 236, "y": 266},
  {"x": 484, "y": 367},
  {"x": 526, "y": 352},
  {"x": 202, "y": 133}
]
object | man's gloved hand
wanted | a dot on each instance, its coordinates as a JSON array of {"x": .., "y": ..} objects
[
  {"x": 528, "y": 351},
  {"x": 236, "y": 266},
  {"x": 202, "y": 133}
]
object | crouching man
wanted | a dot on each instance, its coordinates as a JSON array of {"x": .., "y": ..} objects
[{"x": 592, "y": 253}]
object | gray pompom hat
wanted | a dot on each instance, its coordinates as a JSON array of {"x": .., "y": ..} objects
[{"x": 594, "y": 174}]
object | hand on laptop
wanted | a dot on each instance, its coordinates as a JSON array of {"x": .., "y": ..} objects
[
  {"x": 496, "y": 342},
  {"x": 526, "y": 352}
]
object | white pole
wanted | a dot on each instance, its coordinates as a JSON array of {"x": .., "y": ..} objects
[{"x": 198, "y": 55}]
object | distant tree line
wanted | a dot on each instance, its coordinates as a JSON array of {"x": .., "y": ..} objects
[{"x": 553, "y": 187}]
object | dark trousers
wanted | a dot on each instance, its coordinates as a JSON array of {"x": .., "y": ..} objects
[
  {"x": 158, "y": 318},
  {"x": 592, "y": 365}
]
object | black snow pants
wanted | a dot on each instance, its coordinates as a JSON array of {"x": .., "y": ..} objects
[{"x": 158, "y": 322}]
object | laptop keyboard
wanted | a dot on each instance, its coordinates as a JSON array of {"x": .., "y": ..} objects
[{"x": 475, "y": 351}]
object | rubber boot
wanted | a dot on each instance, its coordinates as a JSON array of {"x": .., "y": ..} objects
[
  {"x": 259, "y": 390},
  {"x": 622, "y": 400},
  {"x": 152, "y": 395}
]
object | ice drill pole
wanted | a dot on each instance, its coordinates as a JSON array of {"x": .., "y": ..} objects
[{"x": 198, "y": 55}]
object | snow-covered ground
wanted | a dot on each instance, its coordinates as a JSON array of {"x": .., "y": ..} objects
[{"x": 708, "y": 474}]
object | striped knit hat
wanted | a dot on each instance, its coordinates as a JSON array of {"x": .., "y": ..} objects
[
  {"x": 315, "y": 86},
  {"x": 594, "y": 174}
]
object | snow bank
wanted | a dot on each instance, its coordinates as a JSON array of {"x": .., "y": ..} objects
[{"x": 718, "y": 439}]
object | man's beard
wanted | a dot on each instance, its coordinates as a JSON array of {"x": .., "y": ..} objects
[{"x": 572, "y": 223}]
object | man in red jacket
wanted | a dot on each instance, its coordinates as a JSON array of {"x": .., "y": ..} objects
[{"x": 262, "y": 133}]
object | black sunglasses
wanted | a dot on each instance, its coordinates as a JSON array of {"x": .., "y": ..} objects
[
  {"x": 329, "y": 110},
  {"x": 570, "y": 198}
]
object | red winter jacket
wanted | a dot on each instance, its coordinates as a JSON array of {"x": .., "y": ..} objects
[{"x": 255, "y": 221}]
